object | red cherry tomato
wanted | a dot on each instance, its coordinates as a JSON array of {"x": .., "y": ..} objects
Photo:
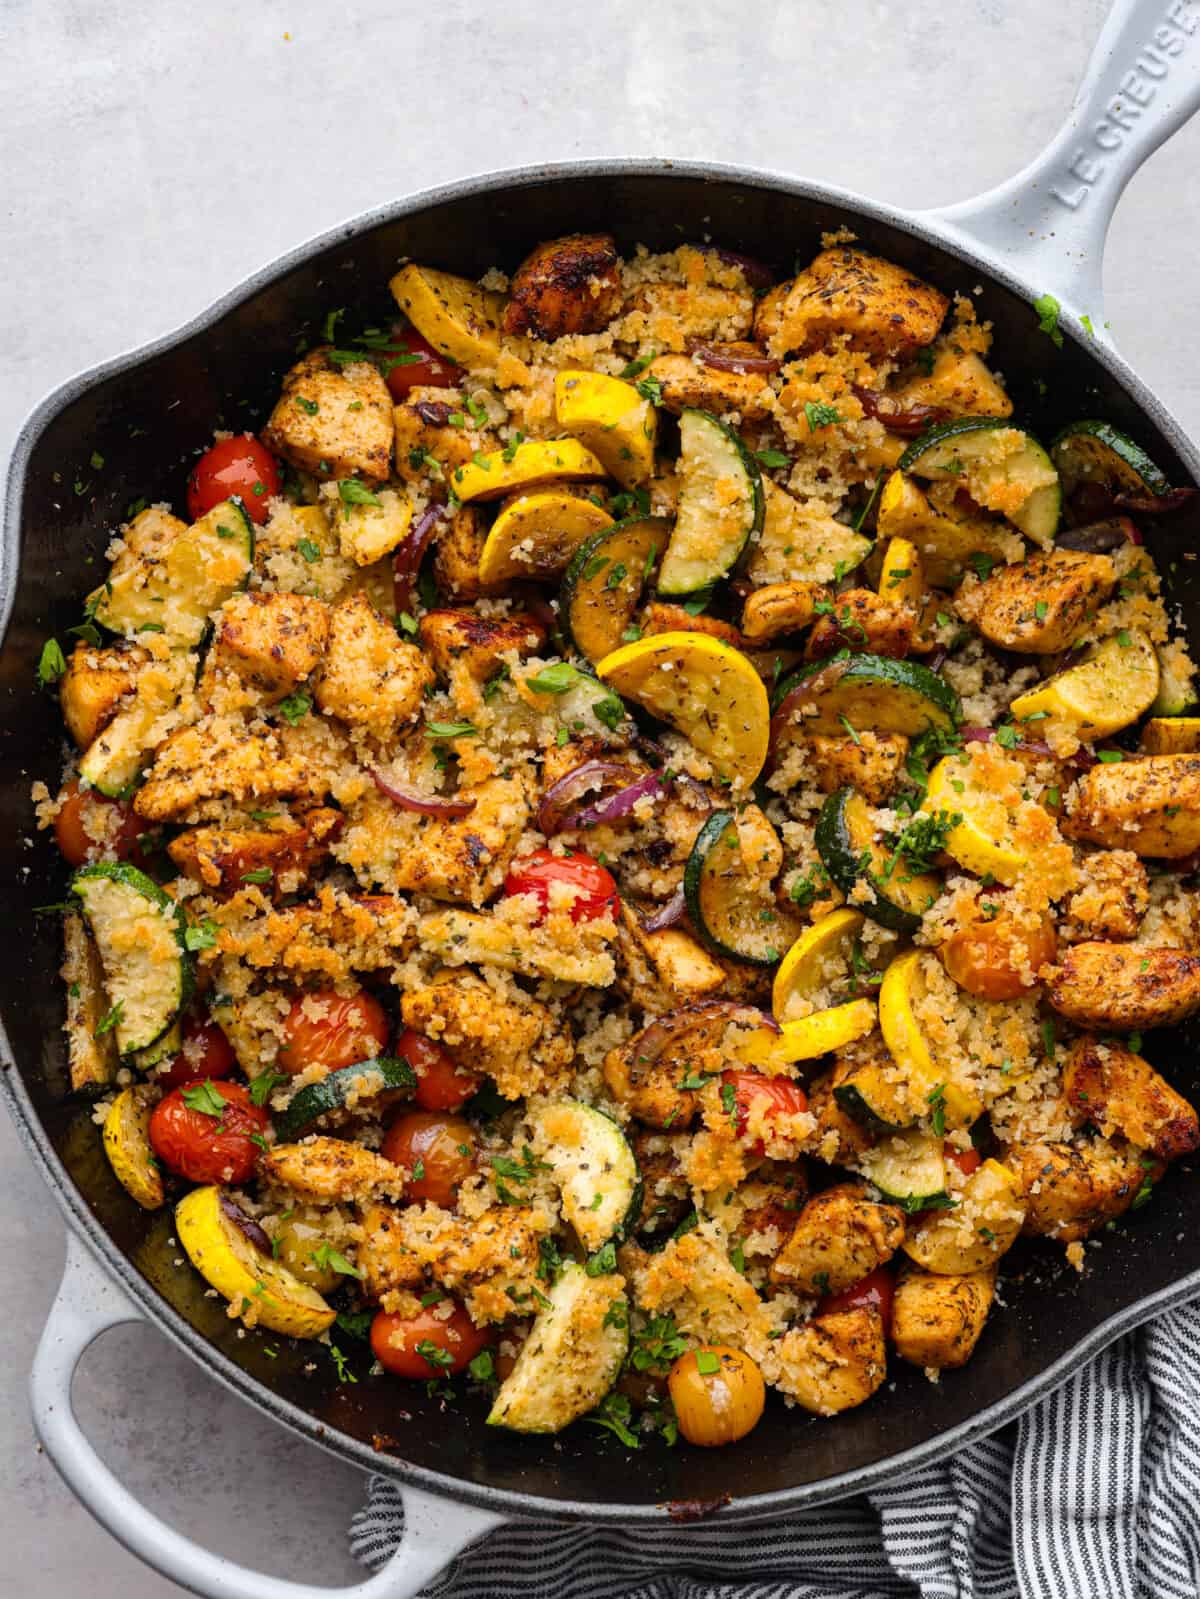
[
  {"x": 206, "y": 1147},
  {"x": 780, "y": 1096},
  {"x": 239, "y": 466},
  {"x": 326, "y": 1029},
  {"x": 206, "y": 1052},
  {"x": 81, "y": 828},
  {"x": 438, "y": 1150},
  {"x": 403, "y": 1344},
  {"x": 877, "y": 1289},
  {"x": 430, "y": 370},
  {"x": 967, "y": 1160},
  {"x": 441, "y": 1083},
  {"x": 595, "y": 889}
]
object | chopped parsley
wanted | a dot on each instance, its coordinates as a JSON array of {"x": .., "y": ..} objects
[
  {"x": 260, "y": 876},
  {"x": 264, "y": 1085},
  {"x": 1048, "y": 308},
  {"x": 202, "y": 935},
  {"x": 615, "y": 1412},
  {"x": 820, "y": 415},
  {"x": 936, "y": 1100},
  {"x": 352, "y": 492},
  {"x": 450, "y": 730},
  {"x": 295, "y": 707},
  {"x": 52, "y": 663},
  {"x": 326, "y": 1258},
  {"x": 707, "y": 1363},
  {"x": 773, "y": 460},
  {"x": 206, "y": 1098},
  {"x": 650, "y": 389},
  {"x": 310, "y": 551},
  {"x": 110, "y": 1019}
]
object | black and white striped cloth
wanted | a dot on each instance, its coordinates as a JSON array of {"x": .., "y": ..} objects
[{"x": 1093, "y": 1494}]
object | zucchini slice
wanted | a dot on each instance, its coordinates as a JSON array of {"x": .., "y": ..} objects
[
  {"x": 127, "y": 1145},
  {"x": 114, "y": 758},
  {"x": 869, "y": 692},
  {"x": 602, "y": 587},
  {"x": 175, "y": 593},
  {"x": 720, "y": 505},
  {"x": 244, "y": 1274},
  {"x": 909, "y": 1170},
  {"x": 727, "y": 919},
  {"x": 851, "y": 854},
  {"x": 572, "y": 1356},
  {"x": 868, "y": 1093},
  {"x": 333, "y": 1092},
  {"x": 139, "y": 932},
  {"x": 595, "y": 1169},
  {"x": 972, "y": 1235},
  {"x": 1095, "y": 456},
  {"x": 162, "y": 1049},
  {"x": 1175, "y": 693},
  {"x": 1001, "y": 467},
  {"x": 92, "y": 1056}
]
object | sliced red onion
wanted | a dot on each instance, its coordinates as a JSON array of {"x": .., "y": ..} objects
[
  {"x": 426, "y": 804},
  {"x": 663, "y": 1031},
  {"x": 1155, "y": 504},
  {"x": 436, "y": 413},
  {"x": 618, "y": 805},
  {"x": 1028, "y": 746},
  {"x": 667, "y": 915},
  {"x": 410, "y": 552},
  {"x": 807, "y": 689},
  {"x": 729, "y": 358},
  {"x": 572, "y": 786},
  {"x": 1098, "y": 538},
  {"x": 908, "y": 422},
  {"x": 245, "y": 1224},
  {"x": 756, "y": 273}
]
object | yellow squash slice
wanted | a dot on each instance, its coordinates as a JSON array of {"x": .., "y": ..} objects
[
  {"x": 457, "y": 317},
  {"x": 821, "y": 956},
  {"x": 525, "y": 466},
  {"x": 536, "y": 534},
  {"x": 612, "y": 419},
  {"x": 1171, "y": 735},
  {"x": 984, "y": 840},
  {"x": 901, "y": 578},
  {"x": 1100, "y": 696},
  {"x": 127, "y": 1145},
  {"x": 247, "y": 1276},
  {"x": 706, "y": 689},
  {"x": 900, "y": 996}
]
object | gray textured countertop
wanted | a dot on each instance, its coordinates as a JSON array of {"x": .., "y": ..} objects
[{"x": 155, "y": 153}]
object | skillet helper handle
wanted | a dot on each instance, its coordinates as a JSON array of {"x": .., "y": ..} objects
[
  {"x": 88, "y": 1304},
  {"x": 1048, "y": 224}
]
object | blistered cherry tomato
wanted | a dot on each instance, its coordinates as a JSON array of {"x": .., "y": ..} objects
[
  {"x": 240, "y": 466},
  {"x": 205, "y": 1052},
  {"x": 81, "y": 828},
  {"x": 778, "y": 1096},
  {"x": 427, "y": 1344},
  {"x": 999, "y": 959},
  {"x": 205, "y": 1141},
  {"x": 328, "y": 1029},
  {"x": 718, "y": 1395},
  {"x": 967, "y": 1160},
  {"x": 595, "y": 889},
  {"x": 441, "y": 1083},
  {"x": 875, "y": 1291},
  {"x": 438, "y": 1150},
  {"x": 419, "y": 365}
]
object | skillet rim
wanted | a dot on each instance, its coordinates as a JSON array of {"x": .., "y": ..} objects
[{"x": 951, "y": 241}]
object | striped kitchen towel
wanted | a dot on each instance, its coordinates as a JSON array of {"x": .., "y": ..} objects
[{"x": 1093, "y": 1494}]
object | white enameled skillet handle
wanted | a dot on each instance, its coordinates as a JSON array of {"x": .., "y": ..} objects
[
  {"x": 88, "y": 1304},
  {"x": 1048, "y": 223}
]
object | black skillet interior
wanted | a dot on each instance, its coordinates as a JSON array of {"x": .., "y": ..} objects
[{"x": 146, "y": 423}]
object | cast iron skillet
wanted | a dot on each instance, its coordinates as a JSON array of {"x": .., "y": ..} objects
[{"x": 460, "y": 1477}]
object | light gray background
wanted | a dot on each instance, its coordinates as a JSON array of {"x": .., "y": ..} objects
[{"x": 153, "y": 153}]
